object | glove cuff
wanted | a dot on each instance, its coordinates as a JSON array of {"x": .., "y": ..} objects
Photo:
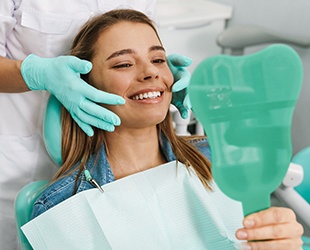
[{"x": 29, "y": 71}]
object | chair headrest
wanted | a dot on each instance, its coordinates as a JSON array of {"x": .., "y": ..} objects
[{"x": 52, "y": 129}]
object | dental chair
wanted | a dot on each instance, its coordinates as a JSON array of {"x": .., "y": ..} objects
[
  {"x": 295, "y": 190},
  {"x": 23, "y": 208},
  {"x": 303, "y": 189}
]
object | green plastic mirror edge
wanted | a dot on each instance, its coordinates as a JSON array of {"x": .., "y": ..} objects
[
  {"x": 263, "y": 201},
  {"x": 52, "y": 129}
]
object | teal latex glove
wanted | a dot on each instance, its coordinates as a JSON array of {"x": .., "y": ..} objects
[
  {"x": 61, "y": 77},
  {"x": 177, "y": 64}
]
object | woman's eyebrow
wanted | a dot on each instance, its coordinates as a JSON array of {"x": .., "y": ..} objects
[
  {"x": 131, "y": 51},
  {"x": 157, "y": 47},
  {"x": 120, "y": 52}
]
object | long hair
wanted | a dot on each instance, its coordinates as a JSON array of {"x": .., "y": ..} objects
[{"x": 77, "y": 146}]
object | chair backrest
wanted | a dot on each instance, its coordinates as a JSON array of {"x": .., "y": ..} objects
[
  {"x": 52, "y": 129},
  {"x": 23, "y": 208}
]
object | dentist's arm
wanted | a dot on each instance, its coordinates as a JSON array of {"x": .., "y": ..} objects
[
  {"x": 61, "y": 77},
  {"x": 273, "y": 228},
  {"x": 11, "y": 80}
]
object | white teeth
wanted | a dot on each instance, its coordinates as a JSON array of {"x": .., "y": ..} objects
[{"x": 153, "y": 94}]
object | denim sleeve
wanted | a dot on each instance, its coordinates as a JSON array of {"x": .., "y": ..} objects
[
  {"x": 203, "y": 146},
  {"x": 38, "y": 208},
  {"x": 206, "y": 151}
]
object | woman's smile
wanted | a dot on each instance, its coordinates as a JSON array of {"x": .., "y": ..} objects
[{"x": 147, "y": 95}]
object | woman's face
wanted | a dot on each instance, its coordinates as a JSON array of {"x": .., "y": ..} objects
[{"x": 131, "y": 62}]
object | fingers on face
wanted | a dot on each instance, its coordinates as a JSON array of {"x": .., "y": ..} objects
[{"x": 97, "y": 115}]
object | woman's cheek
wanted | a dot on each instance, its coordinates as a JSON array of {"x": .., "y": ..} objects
[
  {"x": 115, "y": 85},
  {"x": 168, "y": 78}
]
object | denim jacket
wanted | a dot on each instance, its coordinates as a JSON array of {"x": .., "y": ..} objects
[{"x": 101, "y": 172}]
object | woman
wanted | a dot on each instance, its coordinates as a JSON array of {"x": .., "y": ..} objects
[
  {"x": 129, "y": 60},
  {"x": 34, "y": 36}
]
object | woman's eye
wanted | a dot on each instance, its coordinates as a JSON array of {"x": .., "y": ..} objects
[
  {"x": 123, "y": 65},
  {"x": 159, "y": 61}
]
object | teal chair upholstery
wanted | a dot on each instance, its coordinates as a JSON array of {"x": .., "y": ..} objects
[
  {"x": 23, "y": 208},
  {"x": 306, "y": 241},
  {"x": 303, "y": 158}
]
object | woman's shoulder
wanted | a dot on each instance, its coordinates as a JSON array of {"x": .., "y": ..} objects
[
  {"x": 201, "y": 143},
  {"x": 198, "y": 141},
  {"x": 69, "y": 185},
  {"x": 55, "y": 193}
]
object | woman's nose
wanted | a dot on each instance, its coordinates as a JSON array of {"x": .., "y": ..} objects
[{"x": 149, "y": 72}]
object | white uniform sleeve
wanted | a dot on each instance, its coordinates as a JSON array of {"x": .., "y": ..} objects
[{"x": 7, "y": 23}]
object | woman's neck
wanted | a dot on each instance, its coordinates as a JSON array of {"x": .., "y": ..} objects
[{"x": 133, "y": 151}]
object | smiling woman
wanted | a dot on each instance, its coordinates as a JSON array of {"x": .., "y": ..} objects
[{"x": 129, "y": 60}]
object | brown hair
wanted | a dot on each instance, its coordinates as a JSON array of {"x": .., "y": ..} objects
[{"x": 77, "y": 146}]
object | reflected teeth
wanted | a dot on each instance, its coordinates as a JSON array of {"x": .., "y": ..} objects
[{"x": 153, "y": 94}]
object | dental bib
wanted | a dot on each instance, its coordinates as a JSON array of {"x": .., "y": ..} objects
[
  {"x": 245, "y": 104},
  {"x": 165, "y": 207}
]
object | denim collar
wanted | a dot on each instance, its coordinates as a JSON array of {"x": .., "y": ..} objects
[{"x": 100, "y": 168}]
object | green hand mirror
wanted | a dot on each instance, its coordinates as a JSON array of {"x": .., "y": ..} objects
[{"x": 245, "y": 105}]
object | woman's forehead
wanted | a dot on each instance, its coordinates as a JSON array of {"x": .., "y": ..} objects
[
  {"x": 128, "y": 35},
  {"x": 125, "y": 29}
]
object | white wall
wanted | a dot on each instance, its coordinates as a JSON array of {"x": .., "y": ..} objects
[{"x": 288, "y": 17}]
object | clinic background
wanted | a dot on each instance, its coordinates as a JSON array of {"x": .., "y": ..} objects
[{"x": 195, "y": 25}]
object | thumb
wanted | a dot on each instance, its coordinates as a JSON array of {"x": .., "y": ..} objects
[
  {"x": 179, "y": 60},
  {"x": 79, "y": 66},
  {"x": 187, "y": 102}
]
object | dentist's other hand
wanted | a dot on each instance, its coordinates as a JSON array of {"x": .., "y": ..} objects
[
  {"x": 273, "y": 228},
  {"x": 61, "y": 77},
  {"x": 177, "y": 64}
]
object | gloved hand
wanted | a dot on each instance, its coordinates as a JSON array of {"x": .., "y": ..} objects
[
  {"x": 180, "y": 99},
  {"x": 61, "y": 77}
]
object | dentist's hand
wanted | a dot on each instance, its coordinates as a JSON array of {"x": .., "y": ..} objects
[
  {"x": 61, "y": 77},
  {"x": 273, "y": 228},
  {"x": 177, "y": 65}
]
